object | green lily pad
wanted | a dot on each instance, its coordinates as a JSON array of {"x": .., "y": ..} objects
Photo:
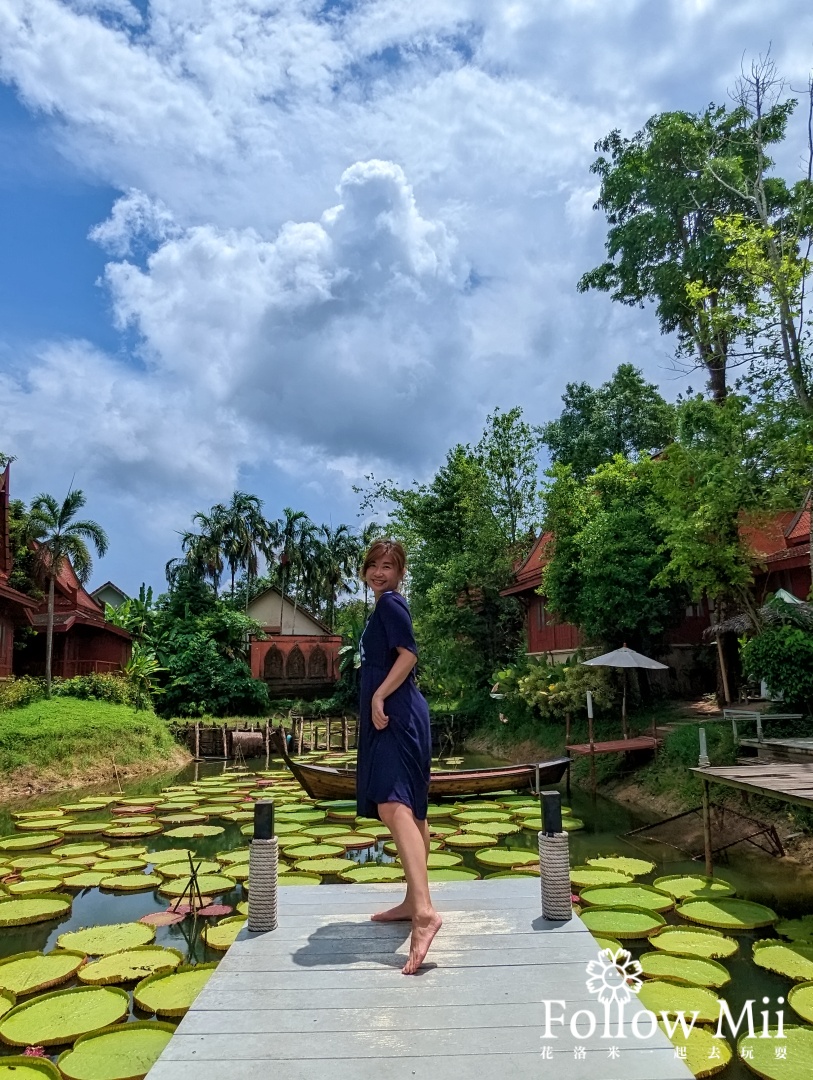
[
  {"x": 607, "y": 943},
  {"x": 658, "y": 996},
  {"x": 695, "y": 941},
  {"x": 132, "y": 832},
  {"x": 19, "y": 911},
  {"x": 130, "y": 965},
  {"x": 131, "y": 882},
  {"x": 700, "y": 1044},
  {"x": 233, "y": 858},
  {"x": 222, "y": 935},
  {"x": 122, "y": 866},
  {"x": 684, "y": 969},
  {"x": 584, "y": 877},
  {"x": 304, "y": 816},
  {"x": 181, "y": 868},
  {"x": 728, "y": 913},
  {"x": 797, "y": 1045},
  {"x": 8, "y": 1000},
  {"x": 793, "y": 960},
  {"x": 491, "y": 828},
  {"x": 352, "y": 841},
  {"x": 503, "y": 857},
  {"x": 193, "y": 832},
  {"x": 369, "y": 873},
  {"x": 482, "y": 815},
  {"x": 35, "y": 887},
  {"x": 84, "y": 828},
  {"x": 122, "y": 1052},
  {"x": 294, "y": 878},
  {"x": 31, "y": 972},
  {"x": 622, "y": 922},
  {"x": 89, "y": 847},
  {"x": 318, "y": 851},
  {"x": 623, "y": 863},
  {"x": 182, "y": 817},
  {"x": 795, "y": 929},
  {"x": 28, "y": 1068},
  {"x": 452, "y": 873},
  {"x": 102, "y": 940},
  {"x": 63, "y": 1015},
  {"x": 29, "y": 842},
  {"x": 32, "y": 862},
  {"x": 169, "y": 856},
  {"x": 331, "y": 865},
  {"x": 40, "y": 824},
  {"x": 629, "y": 895},
  {"x": 85, "y": 879},
  {"x": 571, "y": 824},
  {"x": 469, "y": 840},
  {"x": 211, "y": 884},
  {"x": 696, "y": 886},
  {"x": 171, "y": 994},
  {"x": 800, "y": 999}
]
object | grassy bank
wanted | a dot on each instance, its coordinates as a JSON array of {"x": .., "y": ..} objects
[{"x": 66, "y": 742}]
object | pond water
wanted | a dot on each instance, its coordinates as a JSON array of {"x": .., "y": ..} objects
[{"x": 786, "y": 888}]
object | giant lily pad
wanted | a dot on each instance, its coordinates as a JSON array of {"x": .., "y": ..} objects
[
  {"x": 795, "y": 961},
  {"x": 122, "y": 1052},
  {"x": 190, "y": 832},
  {"x": 351, "y": 841},
  {"x": 85, "y": 879},
  {"x": 19, "y": 911},
  {"x": 490, "y": 828},
  {"x": 172, "y": 994},
  {"x": 28, "y": 1068},
  {"x": 322, "y": 866},
  {"x": 61, "y": 1016},
  {"x": 102, "y": 940},
  {"x": 800, "y": 999},
  {"x": 728, "y": 913},
  {"x": 684, "y": 969},
  {"x": 452, "y": 873},
  {"x": 584, "y": 877},
  {"x": 695, "y": 941},
  {"x": 622, "y": 922},
  {"x": 213, "y": 884},
  {"x": 27, "y": 888},
  {"x": 629, "y": 895},
  {"x": 694, "y": 886},
  {"x": 8, "y": 1000},
  {"x": 83, "y": 828},
  {"x": 171, "y": 855},
  {"x": 222, "y": 935},
  {"x": 123, "y": 866},
  {"x": 32, "y": 862},
  {"x": 631, "y": 867},
  {"x": 706, "y": 1055},
  {"x": 89, "y": 847},
  {"x": 295, "y": 878},
  {"x": 658, "y": 996},
  {"x": 131, "y": 882},
  {"x": 318, "y": 851},
  {"x": 130, "y": 965},
  {"x": 482, "y": 815},
  {"x": 795, "y": 929},
  {"x": 133, "y": 832},
  {"x": 797, "y": 1046},
  {"x": 369, "y": 873},
  {"x": 40, "y": 824},
  {"x": 29, "y": 842},
  {"x": 503, "y": 857},
  {"x": 181, "y": 869},
  {"x": 31, "y": 972}
]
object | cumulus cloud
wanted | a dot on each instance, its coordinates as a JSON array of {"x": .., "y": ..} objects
[{"x": 346, "y": 230}]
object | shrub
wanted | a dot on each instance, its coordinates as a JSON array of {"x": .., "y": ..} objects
[
  {"x": 554, "y": 690},
  {"x": 16, "y": 693},
  {"x": 98, "y": 686},
  {"x": 783, "y": 657}
]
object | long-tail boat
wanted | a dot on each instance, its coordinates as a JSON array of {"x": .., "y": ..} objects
[{"x": 324, "y": 782}]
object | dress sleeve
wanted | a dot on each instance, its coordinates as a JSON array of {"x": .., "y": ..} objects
[{"x": 397, "y": 623}]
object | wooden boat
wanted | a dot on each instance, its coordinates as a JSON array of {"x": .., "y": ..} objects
[{"x": 323, "y": 782}]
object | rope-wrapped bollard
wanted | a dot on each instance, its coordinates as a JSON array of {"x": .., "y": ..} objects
[
  {"x": 554, "y": 860},
  {"x": 262, "y": 871}
]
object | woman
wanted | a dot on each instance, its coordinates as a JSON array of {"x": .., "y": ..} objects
[{"x": 395, "y": 748}]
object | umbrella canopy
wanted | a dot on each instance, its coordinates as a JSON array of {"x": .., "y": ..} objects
[{"x": 625, "y": 658}]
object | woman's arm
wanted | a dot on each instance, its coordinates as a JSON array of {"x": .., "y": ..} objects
[{"x": 398, "y": 673}]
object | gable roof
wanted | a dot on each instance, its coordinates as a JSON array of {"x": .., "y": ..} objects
[
  {"x": 528, "y": 575},
  {"x": 297, "y": 605}
]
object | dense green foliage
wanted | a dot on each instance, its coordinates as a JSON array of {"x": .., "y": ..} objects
[
  {"x": 97, "y": 686},
  {"x": 783, "y": 657},
  {"x": 66, "y": 733}
]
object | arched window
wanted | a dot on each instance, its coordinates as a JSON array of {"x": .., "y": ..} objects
[
  {"x": 317, "y": 664},
  {"x": 272, "y": 668},
  {"x": 295, "y": 668}
]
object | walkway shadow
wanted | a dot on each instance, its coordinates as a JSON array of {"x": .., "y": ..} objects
[{"x": 340, "y": 944}]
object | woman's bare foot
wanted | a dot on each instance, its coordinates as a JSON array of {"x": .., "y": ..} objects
[
  {"x": 423, "y": 933},
  {"x": 399, "y": 913}
]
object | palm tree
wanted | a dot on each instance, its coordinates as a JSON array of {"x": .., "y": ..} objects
[
  {"x": 291, "y": 533},
  {"x": 244, "y": 535},
  {"x": 335, "y": 562},
  {"x": 59, "y": 538},
  {"x": 203, "y": 550}
]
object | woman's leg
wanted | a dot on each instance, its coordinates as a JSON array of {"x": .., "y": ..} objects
[
  {"x": 403, "y": 911},
  {"x": 410, "y": 838}
]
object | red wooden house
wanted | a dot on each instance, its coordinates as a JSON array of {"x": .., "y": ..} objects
[
  {"x": 546, "y": 635},
  {"x": 16, "y": 608},
  {"x": 299, "y": 656},
  {"x": 783, "y": 545}
]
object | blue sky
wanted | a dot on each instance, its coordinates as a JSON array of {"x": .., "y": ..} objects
[{"x": 280, "y": 246}]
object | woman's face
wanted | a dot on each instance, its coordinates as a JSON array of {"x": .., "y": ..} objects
[{"x": 383, "y": 575}]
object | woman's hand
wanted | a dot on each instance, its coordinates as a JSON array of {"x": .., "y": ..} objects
[{"x": 380, "y": 719}]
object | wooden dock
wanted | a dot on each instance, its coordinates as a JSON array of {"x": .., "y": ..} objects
[
  {"x": 323, "y": 998},
  {"x": 616, "y": 746},
  {"x": 789, "y": 782},
  {"x": 795, "y": 750}
]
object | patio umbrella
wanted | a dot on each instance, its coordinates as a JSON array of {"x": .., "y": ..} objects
[{"x": 625, "y": 658}]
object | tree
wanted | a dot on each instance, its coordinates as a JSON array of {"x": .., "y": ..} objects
[
  {"x": 662, "y": 191},
  {"x": 244, "y": 535},
  {"x": 60, "y": 539},
  {"x": 625, "y": 415},
  {"x": 334, "y": 563},
  {"x": 508, "y": 451},
  {"x": 291, "y": 534}
]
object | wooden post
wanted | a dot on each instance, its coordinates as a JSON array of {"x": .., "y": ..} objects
[
  {"x": 329, "y": 723},
  {"x": 707, "y": 828},
  {"x": 300, "y": 723},
  {"x": 197, "y": 738},
  {"x": 225, "y": 741},
  {"x": 592, "y": 754},
  {"x": 312, "y": 735},
  {"x": 567, "y": 729},
  {"x": 345, "y": 735},
  {"x": 703, "y": 761},
  {"x": 624, "y": 704},
  {"x": 759, "y": 727},
  {"x": 723, "y": 669},
  {"x": 267, "y": 741}
]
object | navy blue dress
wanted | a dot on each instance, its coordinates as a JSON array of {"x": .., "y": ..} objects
[{"x": 393, "y": 764}]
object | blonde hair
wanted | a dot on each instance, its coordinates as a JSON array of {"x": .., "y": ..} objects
[{"x": 393, "y": 548}]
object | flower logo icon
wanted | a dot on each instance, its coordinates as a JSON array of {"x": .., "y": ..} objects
[{"x": 614, "y": 976}]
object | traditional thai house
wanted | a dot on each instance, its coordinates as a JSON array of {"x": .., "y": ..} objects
[
  {"x": 299, "y": 656},
  {"x": 545, "y": 634},
  {"x": 83, "y": 641},
  {"x": 783, "y": 545},
  {"x": 109, "y": 594},
  {"x": 16, "y": 608}
]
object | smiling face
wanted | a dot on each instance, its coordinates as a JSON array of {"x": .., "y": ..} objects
[{"x": 383, "y": 574}]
